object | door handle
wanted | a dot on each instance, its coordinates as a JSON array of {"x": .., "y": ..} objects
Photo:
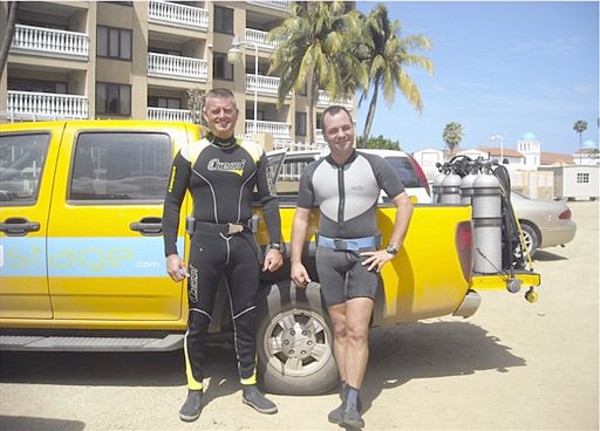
[
  {"x": 19, "y": 226},
  {"x": 150, "y": 226}
]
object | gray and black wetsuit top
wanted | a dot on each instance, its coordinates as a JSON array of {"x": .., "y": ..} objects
[{"x": 347, "y": 195}]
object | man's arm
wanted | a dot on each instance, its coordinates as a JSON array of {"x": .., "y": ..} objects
[
  {"x": 176, "y": 189},
  {"x": 404, "y": 210},
  {"x": 270, "y": 205},
  {"x": 299, "y": 229}
]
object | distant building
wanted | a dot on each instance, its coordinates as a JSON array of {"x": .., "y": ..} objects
[
  {"x": 537, "y": 174},
  {"x": 504, "y": 156},
  {"x": 587, "y": 154}
]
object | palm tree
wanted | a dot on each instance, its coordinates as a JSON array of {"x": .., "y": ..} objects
[
  {"x": 580, "y": 126},
  {"x": 10, "y": 33},
  {"x": 318, "y": 52},
  {"x": 386, "y": 57},
  {"x": 453, "y": 134}
]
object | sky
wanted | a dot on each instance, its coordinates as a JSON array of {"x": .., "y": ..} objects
[{"x": 501, "y": 68}]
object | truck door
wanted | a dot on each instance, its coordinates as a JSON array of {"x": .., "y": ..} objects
[
  {"x": 105, "y": 247},
  {"x": 27, "y": 162}
]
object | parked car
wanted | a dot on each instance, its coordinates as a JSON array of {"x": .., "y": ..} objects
[
  {"x": 411, "y": 174},
  {"x": 544, "y": 223}
]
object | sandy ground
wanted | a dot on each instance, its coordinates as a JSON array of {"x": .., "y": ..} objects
[{"x": 512, "y": 366}]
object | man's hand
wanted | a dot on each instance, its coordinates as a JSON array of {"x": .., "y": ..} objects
[
  {"x": 176, "y": 268},
  {"x": 273, "y": 260},
  {"x": 376, "y": 259},
  {"x": 299, "y": 275}
]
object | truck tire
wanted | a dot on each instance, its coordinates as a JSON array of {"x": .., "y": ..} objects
[{"x": 295, "y": 343}]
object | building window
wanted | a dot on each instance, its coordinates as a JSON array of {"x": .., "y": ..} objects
[
  {"x": 36, "y": 85},
  {"x": 223, "y": 20},
  {"x": 583, "y": 178},
  {"x": 113, "y": 99},
  {"x": 114, "y": 43},
  {"x": 222, "y": 69},
  {"x": 301, "y": 123},
  {"x": 164, "y": 102}
]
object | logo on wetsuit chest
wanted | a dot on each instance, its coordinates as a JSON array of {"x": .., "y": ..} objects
[{"x": 237, "y": 167}]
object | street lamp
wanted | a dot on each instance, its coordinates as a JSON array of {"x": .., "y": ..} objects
[
  {"x": 501, "y": 139},
  {"x": 234, "y": 55}
]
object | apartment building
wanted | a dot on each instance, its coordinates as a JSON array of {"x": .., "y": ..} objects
[{"x": 140, "y": 59}]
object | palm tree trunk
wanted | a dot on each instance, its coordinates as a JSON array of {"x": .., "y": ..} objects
[
  {"x": 370, "y": 115},
  {"x": 10, "y": 33}
]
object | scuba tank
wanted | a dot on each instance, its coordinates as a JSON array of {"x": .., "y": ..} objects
[
  {"x": 487, "y": 222},
  {"x": 451, "y": 189}
]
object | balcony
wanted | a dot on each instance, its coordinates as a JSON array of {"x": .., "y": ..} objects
[
  {"x": 278, "y": 130},
  {"x": 173, "y": 66},
  {"x": 266, "y": 85},
  {"x": 258, "y": 38},
  {"x": 323, "y": 101},
  {"x": 25, "y": 105},
  {"x": 50, "y": 43},
  {"x": 178, "y": 15},
  {"x": 273, "y": 4},
  {"x": 164, "y": 114}
]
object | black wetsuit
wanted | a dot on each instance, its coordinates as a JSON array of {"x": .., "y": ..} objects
[{"x": 221, "y": 177}]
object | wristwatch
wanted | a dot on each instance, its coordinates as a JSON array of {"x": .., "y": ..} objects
[
  {"x": 392, "y": 249},
  {"x": 275, "y": 246}
]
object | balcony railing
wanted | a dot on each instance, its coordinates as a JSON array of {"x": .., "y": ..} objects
[
  {"x": 278, "y": 130},
  {"x": 178, "y": 15},
  {"x": 259, "y": 38},
  {"x": 274, "y": 4},
  {"x": 50, "y": 42},
  {"x": 164, "y": 114},
  {"x": 46, "y": 106},
  {"x": 324, "y": 101},
  {"x": 263, "y": 84},
  {"x": 173, "y": 66}
]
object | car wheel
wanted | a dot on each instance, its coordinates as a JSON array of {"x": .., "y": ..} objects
[
  {"x": 295, "y": 350},
  {"x": 531, "y": 240}
]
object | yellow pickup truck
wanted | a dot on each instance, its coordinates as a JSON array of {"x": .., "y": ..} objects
[{"x": 82, "y": 264}]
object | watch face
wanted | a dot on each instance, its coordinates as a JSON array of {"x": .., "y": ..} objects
[{"x": 391, "y": 249}]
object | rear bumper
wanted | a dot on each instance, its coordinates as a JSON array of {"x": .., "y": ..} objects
[
  {"x": 558, "y": 235},
  {"x": 500, "y": 281}
]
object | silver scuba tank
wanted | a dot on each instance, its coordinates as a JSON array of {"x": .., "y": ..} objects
[{"x": 487, "y": 222}]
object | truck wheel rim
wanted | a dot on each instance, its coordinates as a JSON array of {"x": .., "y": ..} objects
[{"x": 298, "y": 342}]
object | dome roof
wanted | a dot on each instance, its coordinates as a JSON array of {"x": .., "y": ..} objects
[
  {"x": 589, "y": 144},
  {"x": 529, "y": 136}
]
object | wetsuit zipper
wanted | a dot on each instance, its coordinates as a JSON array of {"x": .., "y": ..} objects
[{"x": 342, "y": 194}]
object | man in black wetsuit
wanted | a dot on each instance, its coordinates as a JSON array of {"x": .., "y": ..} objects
[
  {"x": 345, "y": 186},
  {"x": 221, "y": 173}
]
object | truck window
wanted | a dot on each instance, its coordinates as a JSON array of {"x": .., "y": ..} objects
[
  {"x": 288, "y": 181},
  {"x": 405, "y": 170},
  {"x": 120, "y": 166},
  {"x": 22, "y": 160}
]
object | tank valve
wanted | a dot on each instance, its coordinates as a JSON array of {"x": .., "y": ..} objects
[
  {"x": 513, "y": 285},
  {"x": 531, "y": 295}
]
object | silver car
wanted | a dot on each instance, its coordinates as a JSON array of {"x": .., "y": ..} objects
[{"x": 544, "y": 223}]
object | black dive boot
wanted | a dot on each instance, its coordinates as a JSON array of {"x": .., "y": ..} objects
[
  {"x": 256, "y": 400},
  {"x": 351, "y": 416},
  {"x": 190, "y": 411}
]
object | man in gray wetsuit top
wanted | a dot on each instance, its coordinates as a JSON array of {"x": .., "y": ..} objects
[{"x": 346, "y": 186}]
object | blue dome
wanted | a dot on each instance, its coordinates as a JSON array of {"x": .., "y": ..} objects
[
  {"x": 529, "y": 137},
  {"x": 589, "y": 144}
]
